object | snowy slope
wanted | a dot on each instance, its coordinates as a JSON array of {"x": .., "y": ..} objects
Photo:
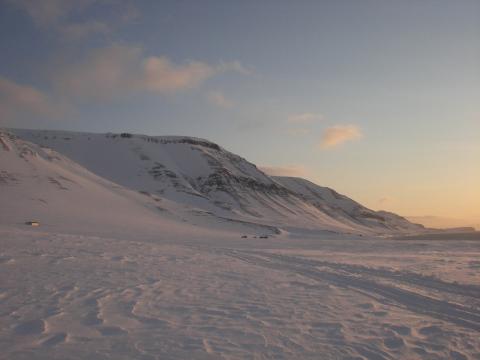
[
  {"x": 40, "y": 184},
  {"x": 341, "y": 207},
  {"x": 201, "y": 179}
]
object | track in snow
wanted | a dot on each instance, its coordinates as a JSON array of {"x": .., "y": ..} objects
[{"x": 356, "y": 277}]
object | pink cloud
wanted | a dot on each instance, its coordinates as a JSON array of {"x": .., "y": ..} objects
[
  {"x": 339, "y": 134},
  {"x": 18, "y": 100},
  {"x": 121, "y": 70},
  {"x": 159, "y": 74}
]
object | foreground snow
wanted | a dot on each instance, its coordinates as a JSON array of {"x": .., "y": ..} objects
[{"x": 80, "y": 296}]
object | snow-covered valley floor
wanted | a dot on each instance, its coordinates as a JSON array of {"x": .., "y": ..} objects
[{"x": 83, "y": 297}]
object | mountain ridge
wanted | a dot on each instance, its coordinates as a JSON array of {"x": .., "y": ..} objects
[{"x": 200, "y": 176}]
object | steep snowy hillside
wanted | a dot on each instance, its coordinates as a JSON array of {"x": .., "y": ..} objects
[
  {"x": 202, "y": 179},
  {"x": 42, "y": 185},
  {"x": 344, "y": 208}
]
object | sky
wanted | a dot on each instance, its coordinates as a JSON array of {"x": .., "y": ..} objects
[{"x": 379, "y": 100}]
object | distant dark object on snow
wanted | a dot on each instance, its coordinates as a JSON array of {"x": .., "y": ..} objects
[
  {"x": 264, "y": 237},
  {"x": 244, "y": 236},
  {"x": 126, "y": 135},
  {"x": 32, "y": 223}
]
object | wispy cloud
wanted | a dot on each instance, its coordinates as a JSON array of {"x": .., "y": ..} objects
[
  {"x": 18, "y": 101},
  {"x": 339, "y": 134},
  {"x": 59, "y": 15},
  {"x": 120, "y": 70},
  {"x": 288, "y": 170},
  {"x": 304, "y": 118},
  {"x": 161, "y": 75},
  {"x": 217, "y": 98},
  {"x": 45, "y": 13},
  {"x": 105, "y": 74},
  {"x": 235, "y": 66},
  {"x": 300, "y": 124},
  {"x": 85, "y": 29},
  {"x": 385, "y": 200}
]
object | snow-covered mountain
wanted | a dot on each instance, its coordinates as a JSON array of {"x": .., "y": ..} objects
[
  {"x": 204, "y": 184},
  {"x": 39, "y": 184},
  {"x": 345, "y": 209}
]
